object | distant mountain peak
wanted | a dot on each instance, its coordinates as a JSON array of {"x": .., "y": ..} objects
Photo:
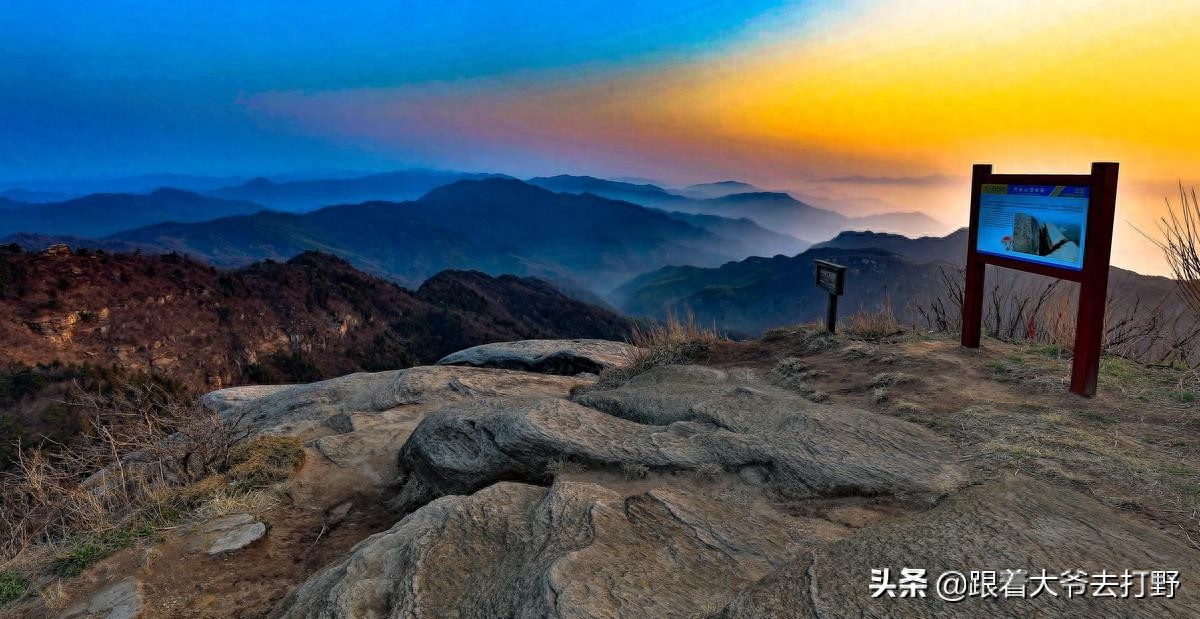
[
  {"x": 600, "y": 186},
  {"x": 484, "y": 187},
  {"x": 725, "y": 183},
  {"x": 718, "y": 189},
  {"x": 171, "y": 192},
  {"x": 760, "y": 195},
  {"x": 259, "y": 182}
]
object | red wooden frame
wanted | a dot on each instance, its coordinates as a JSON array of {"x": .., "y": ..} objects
[{"x": 1092, "y": 278}]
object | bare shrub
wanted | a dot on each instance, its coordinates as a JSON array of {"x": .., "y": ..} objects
[
  {"x": 146, "y": 456},
  {"x": 943, "y": 313},
  {"x": 1180, "y": 243},
  {"x": 1019, "y": 307}
]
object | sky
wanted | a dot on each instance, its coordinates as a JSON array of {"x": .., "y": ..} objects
[{"x": 876, "y": 105}]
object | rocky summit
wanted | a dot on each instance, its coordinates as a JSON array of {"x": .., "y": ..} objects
[
  {"x": 794, "y": 476},
  {"x": 683, "y": 491}
]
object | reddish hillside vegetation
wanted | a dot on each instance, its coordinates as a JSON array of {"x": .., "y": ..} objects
[{"x": 312, "y": 317}]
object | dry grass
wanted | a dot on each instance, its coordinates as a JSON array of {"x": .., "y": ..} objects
[
  {"x": 795, "y": 375},
  {"x": 663, "y": 343},
  {"x": 147, "y": 460},
  {"x": 1088, "y": 450},
  {"x": 1135, "y": 448},
  {"x": 889, "y": 379},
  {"x": 874, "y": 324}
]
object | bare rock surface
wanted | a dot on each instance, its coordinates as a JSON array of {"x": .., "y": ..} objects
[
  {"x": 297, "y": 409},
  {"x": 226, "y": 399},
  {"x": 689, "y": 419},
  {"x": 226, "y": 534},
  {"x": 361, "y": 420},
  {"x": 1016, "y": 524},
  {"x": 685, "y": 491},
  {"x": 122, "y": 600},
  {"x": 238, "y": 538},
  {"x": 566, "y": 357},
  {"x": 571, "y": 550}
]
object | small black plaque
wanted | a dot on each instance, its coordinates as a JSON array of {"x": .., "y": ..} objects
[{"x": 831, "y": 277}]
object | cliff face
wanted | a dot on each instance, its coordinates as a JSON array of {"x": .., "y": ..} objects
[{"x": 312, "y": 317}]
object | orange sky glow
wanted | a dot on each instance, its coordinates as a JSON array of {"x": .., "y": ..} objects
[{"x": 898, "y": 89}]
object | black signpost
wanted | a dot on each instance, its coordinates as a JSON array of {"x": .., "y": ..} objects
[{"x": 831, "y": 278}]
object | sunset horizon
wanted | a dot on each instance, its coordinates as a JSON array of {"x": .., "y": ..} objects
[{"x": 861, "y": 102}]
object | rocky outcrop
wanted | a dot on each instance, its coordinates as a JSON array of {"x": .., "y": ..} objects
[
  {"x": 339, "y": 402},
  {"x": 566, "y": 357},
  {"x": 1027, "y": 234},
  {"x": 1015, "y": 524},
  {"x": 361, "y": 421},
  {"x": 677, "y": 419},
  {"x": 571, "y": 550},
  {"x": 684, "y": 491}
]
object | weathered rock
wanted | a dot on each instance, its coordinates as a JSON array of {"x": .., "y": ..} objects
[
  {"x": 566, "y": 357},
  {"x": 238, "y": 538},
  {"x": 360, "y": 421},
  {"x": 573, "y": 550},
  {"x": 298, "y": 409},
  {"x": 233, "y": 533},
  {"x": 1013, "y": 524},
  {"x": 226, "y": 399},
  {"x": 697, "y": 419},
  {"x": 122, "y": 600}
]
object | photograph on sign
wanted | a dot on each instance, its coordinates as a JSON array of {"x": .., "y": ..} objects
[{"x": 1046, "y": 224}]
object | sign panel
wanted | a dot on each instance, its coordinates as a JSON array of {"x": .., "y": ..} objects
[
  {"x": 831, "y": 277},
  {"x": 1046, "y": 224},
  {"x": 1057, "y": 225}
]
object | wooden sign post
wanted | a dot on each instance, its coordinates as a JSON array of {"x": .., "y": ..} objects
[
  {"x": 1058, "y": 225},
  {"x": 832, "y": 278}
]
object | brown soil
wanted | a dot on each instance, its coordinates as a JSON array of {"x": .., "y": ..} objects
[{"x": 180, "y": 581}]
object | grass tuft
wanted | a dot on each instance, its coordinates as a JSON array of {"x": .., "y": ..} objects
[
  {"x": 81, "y": 553},
  {"x": 663, "y": 343},
  {"x": 874, "y": 324},
  {"x": 13, "y": 586},
  {"x": 264, "y": 461}
]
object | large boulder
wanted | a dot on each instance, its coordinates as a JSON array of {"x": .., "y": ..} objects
[
  {"x": 585, "y": 550},
  {"x": 797, "y": 447},
  {"x": 566, "y": 357},
  {"x": 571, "y": 550},
  {"x": 296, "y": 409},
  {"x": 360, "y": 421}
]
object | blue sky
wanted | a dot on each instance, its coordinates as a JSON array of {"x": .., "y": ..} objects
[{"x": 117, "y": 86}]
